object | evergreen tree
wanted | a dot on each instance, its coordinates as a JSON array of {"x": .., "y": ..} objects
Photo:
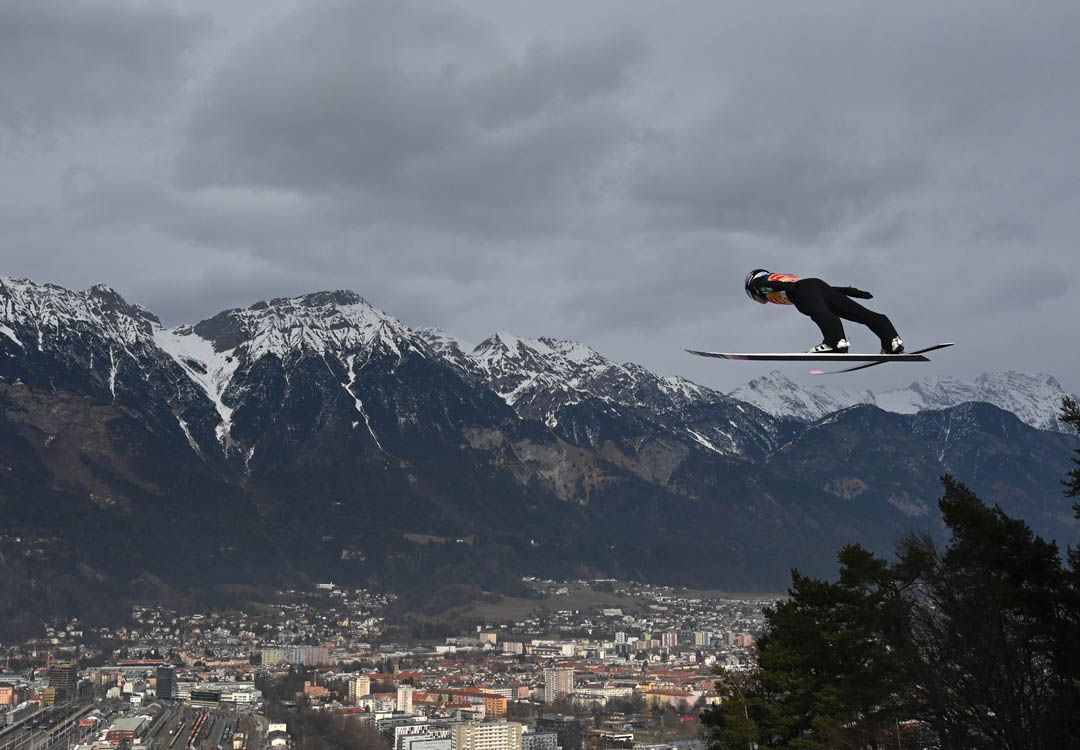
[
  {"x": 1070, "y": 656},
  {"x": 827, "y": 668},
  {"x": 1070, "y": 415},
  {"x": 730, "y": 722},
  {"x": 972, "y": 645},
  {"x": 987, "y": 631}
]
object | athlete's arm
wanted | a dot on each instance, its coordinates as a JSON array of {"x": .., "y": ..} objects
[{"x": 851, "y": 291}]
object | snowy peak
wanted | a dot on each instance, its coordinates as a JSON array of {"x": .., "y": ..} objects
[
  {"x": 48, "y": 316},
  {"x": 561, "y": 372},
  {"x": 521, "y": 369},
  {"x": 442, "y": 342},
  {"x": 321, "y": 322},
  {"x": 777, "y": 394},
  {"x": 1033, "y": 398},
  {"x": 450, "y": 348},
  {"x": 508, "y": 347},
  {"x": 219, "y": 354},
  {"x": 565, "y": 360}
]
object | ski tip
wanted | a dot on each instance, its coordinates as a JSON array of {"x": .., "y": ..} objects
[{"x": 817, "y": 372}]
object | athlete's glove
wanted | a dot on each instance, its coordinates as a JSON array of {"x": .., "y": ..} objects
[{"x": 851, "y": 291}]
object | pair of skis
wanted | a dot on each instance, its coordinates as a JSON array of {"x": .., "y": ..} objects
[{"x": 866, "y": 360}]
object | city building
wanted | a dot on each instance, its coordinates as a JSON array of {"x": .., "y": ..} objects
[
  {"x": 205, "y": 698},
  {"x": 540, "y": 741},
  {"x": 165, "y": 681},
  {"x": 494, "y": 705},
  {"x": 125, "y": 729},
  {"x": 405, "y": 698},
  {"x": 64, "y": 679},
  {"x": 273, "y": 656},
  {"x": 359, "y": 687},
  {"x": 314, "y": 690},
  {"x": 426, "y": 742},
  {"x": 414, "y": 734},
  {"x": 486, "y": 735},
  {"x": 558, "y": 683},
  {"x": 673, "y": 698},
  {"x": 566, "y": 728}
]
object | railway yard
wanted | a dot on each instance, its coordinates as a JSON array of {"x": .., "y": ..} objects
[{"x": 118, "y": 725}]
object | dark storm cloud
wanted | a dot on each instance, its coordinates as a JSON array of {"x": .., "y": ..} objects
[
  {"x": 606, "y": 171},
  {"x": 62, "y": 60},
  {"x": 411, "y": 112},
  {"x": 1022, "y": 288},
  {"x": 782, "y": 180}
]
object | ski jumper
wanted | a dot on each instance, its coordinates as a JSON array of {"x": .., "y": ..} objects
[{"x": 828, "y": 306}]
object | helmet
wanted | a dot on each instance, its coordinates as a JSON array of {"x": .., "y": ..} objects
[{"x": 750, "y": 291}]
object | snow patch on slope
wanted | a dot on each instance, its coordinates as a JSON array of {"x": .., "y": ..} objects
[
  {"x": 322, "y": 323},
  {"x": 212, "y": 371},
  {"x": 442, "y": 341},
  {"x": 1034, "y": 398},
  {"x": 521, "y": 368},
  {"x": 356, "y": 400},
  {"x": 11, "y": 335},
  {"x": 777, "y": 394}
]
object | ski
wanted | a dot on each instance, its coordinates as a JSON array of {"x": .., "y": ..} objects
[
  {"x": 885, "y": 358},
  {"x": 815, "y": 357}
]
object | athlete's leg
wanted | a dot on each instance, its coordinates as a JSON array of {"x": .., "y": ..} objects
[
  {"x": 809, "y": 299},
  {"x": 849, "y": 309}
]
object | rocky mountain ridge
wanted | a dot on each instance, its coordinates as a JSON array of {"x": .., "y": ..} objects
[
  {"x": 317, "y": 436},
  {"x": 1033, "y": 397}
]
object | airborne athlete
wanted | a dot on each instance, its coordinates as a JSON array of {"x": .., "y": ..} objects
[{"x": 826, "y": 305}]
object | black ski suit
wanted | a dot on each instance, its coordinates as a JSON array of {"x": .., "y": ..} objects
[{"x": 826, "y": 305}]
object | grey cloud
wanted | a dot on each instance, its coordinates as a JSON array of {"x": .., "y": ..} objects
[
  {"x": 785, "y": 180},
  {"x": 410, "y": 112},
  {"x": 1005, "y": 231},
  {"x": 888, "y": 229},
  {"x": 342, "y": 94},
  {"x": 96, "y": 58},
  {"x": 551, "y": 76},
  {"x": 1022, "y": 288},
  {"x": 605, "y": 171}
]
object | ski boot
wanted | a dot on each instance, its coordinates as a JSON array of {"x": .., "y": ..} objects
[
  {"x": 896, "y": 346},
  {"x": 840, "y": 347}
]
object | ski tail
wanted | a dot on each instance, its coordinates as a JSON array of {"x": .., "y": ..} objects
[{"x": 935, "y": 347}]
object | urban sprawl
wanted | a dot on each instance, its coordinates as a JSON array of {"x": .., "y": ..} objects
[{"x": 602, "y": 664}]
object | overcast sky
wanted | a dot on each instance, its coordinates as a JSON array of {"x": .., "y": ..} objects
[{"x": 605, "y": 171}]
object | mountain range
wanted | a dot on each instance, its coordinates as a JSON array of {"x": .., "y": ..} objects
[
  {"x": 1033, "y": 398},
  {"x": 317, "y": 437}
]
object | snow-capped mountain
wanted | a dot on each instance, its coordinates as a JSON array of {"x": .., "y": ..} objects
[
  {"x": 49, "y": 318},
  {"x": 95, "y": 341},
  {"x": 524, "y": 371},
  {"x": 592, "y": 400},
  {"x": 777, "y": 394},
  {"x": 444, "y": 342},
  {"x": 1034, "y": 398},
  {"x": 317, "y": 435},
  {"x": 52, "y": 313},
  {"x": 339, "y": 328}
]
